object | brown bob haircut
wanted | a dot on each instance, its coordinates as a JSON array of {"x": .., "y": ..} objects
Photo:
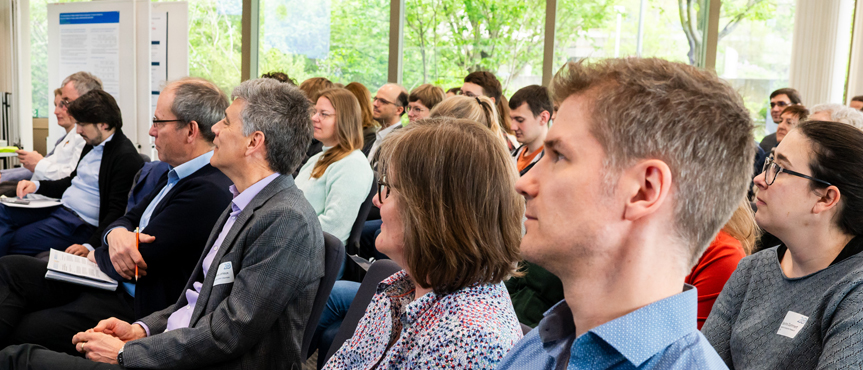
[
  {"x": 427, "y": 94},
  {"x": 462, "y": 215},
  {"x": 684, "y": 116},
  {"x": 314, "y": 86},
  {"x": 365, "y": 99},
  {"x": 798, "y": 111}
]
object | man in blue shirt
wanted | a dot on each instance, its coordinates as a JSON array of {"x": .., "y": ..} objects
[
  {"x": 646, "y": 161},
  {"x": 92, "y": 196},
  {"x": 175, "y": 220}
]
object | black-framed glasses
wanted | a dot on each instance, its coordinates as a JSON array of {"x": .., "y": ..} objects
[
  {"x": 383, "y": 189},
  {"x": 162, "y": 122},
  {"x": 780, "y": 103},
  {"x": 772, "y": 169}
]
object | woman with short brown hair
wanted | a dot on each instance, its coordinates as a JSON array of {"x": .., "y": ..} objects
[{"x": 452, "y": 220}]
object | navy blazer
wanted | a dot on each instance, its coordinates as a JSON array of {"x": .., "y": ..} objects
[
  {"x": 120, "y": 163},
  {"x": 181, "y": 224}
]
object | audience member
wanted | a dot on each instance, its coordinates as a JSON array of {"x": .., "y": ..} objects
[
  {"x": 837, "y": 113},
  {"x": 175, "y": 222},
  {"x": 421, "y": 101},
  {"x": 451, "y": 220},
  {"x": 280, "y": 76},
  {"x": 620, "y": 209},
  {"x": 370, "y": 126},
  {"x": 530, "y": 112},
  {"x": 92, "y": 196},
  {"x": 453, "y": 92},
  {"x": 480, "y": 109},
  {"x": 482, "y": 83},
  {"x": 791, "y": 116},
  {"x": 313, "y": 87},
  {"x": 735, "y": 241},
  {"x": 808, "y": 288},
  {"x": 63, "y": 159},
  {"x": 267, "y": 248},
  {"x": 779, "y": 100},
  {"x": 389, "y": 104},
  {"x": 857, "y": 102},
  {"x": 338, "y": 180}
]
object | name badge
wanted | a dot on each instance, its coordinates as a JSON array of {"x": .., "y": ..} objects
[
  {"x": 792, "y": 324},
  {"x": 225, "y": 274}
]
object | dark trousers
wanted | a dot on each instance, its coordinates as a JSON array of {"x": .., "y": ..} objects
[
  {"x": 49, "y": 312},
  {"x": 31, "y": 356},
  {"x": 31, "y": 231}
]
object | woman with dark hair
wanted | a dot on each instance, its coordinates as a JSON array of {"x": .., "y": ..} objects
[
  {"x": 798, "y": 305},
  {"x": 370, "y": 126},
  {"x": 451, "y": 219},
  {"x": 483, "y": 83}
]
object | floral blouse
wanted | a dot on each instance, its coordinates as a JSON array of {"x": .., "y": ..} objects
[{"x": 472, "y": 328}]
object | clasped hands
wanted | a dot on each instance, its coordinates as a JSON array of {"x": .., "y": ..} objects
[{"x": 103, "y": 342}]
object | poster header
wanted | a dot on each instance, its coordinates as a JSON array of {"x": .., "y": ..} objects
[{"x": 90, "y": 17}]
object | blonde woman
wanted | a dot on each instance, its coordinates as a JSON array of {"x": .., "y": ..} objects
[
  {"x": 337, "y": 180},
  {"x": 479, "y": 108}
]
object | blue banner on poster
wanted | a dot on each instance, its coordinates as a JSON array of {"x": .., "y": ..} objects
[{"x": 89, "y": 17}]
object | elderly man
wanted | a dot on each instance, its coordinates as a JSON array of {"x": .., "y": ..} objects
[
  {"x": 837, "y": 113},
  {"x": 92, "y": 196},
  {"x": 249, "y": 298},
  {"x": 621, "y": 209},
  {"x": 175, "y": 221}
]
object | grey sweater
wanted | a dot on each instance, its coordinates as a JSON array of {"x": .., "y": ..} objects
[{"x": 754, "y": 307}]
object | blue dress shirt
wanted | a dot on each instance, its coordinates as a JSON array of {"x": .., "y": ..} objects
[
  {"x": 174, "y": 176},
  {"x": 83, "y": 195},
  {"x": 661, "y": 335}
]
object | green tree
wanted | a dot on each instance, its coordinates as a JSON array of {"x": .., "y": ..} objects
[{"x": 733, "y": 12}]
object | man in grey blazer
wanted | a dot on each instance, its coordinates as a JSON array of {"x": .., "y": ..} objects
[{"x": 251, "y": 294}]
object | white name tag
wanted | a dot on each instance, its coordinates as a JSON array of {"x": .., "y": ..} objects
[
  {"x": 225, "y": 274},
  {"x": 792, "y": 324}
]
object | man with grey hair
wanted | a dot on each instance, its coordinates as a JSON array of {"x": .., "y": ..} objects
[
  {"x": 250, "y": 295},
  {"x": 175, "y": 221},
  {"x": 61, "y": 161},
  {"x": 837, "y": 113},
  {"x": 621, "y": 209}
]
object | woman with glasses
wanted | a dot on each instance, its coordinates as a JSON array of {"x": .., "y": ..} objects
[
  {"x": 800, "y": 305},
  {"x": 422, "y": 99},
  {"x": 337, "y": 180},
  {"x": 451, "y": 218}
]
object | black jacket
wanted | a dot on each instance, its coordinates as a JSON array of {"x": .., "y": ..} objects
[
  {"x": 181, "y": 223},
  {"x": 120, "y": 163}
]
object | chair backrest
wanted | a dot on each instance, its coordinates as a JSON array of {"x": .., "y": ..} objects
[
  {"x": 379, "y": 270},
  {"x": 353, "y": 241},
  {"x": 525, "y": 329},
  {"x": 334, "y": 254}
]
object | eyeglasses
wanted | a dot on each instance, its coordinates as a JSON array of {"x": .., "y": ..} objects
[
  {"x": 383, "y": 101},
  {"x": 64, "y": 104},
  {"x": 159, "y": 123},
  {"x": 771, "y": 169},
  {"x": 323, "y": 114},
  {"x": 780, "y": 103},
  {"x": 417, "y": 109},
  {"x": 383, "y": 189}
]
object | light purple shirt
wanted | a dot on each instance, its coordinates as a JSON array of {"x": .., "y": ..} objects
[{"x": 182, "y": 317}]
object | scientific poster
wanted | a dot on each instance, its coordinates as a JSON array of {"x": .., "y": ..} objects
[
  {"x": 90, "y": 42},
  {"x": 158, "y": 55}
]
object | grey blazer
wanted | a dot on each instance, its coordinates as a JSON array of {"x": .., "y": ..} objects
[{"x": 276, "y": 249}]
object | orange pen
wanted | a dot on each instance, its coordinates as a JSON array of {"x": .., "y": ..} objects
[{"x": 137, "y": 237}]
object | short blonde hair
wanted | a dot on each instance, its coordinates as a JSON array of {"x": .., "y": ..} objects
[
  {"x": 480, "y": 109},
  {"x": 462, "y": 215}
]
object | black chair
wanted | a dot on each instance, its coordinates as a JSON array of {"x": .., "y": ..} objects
[
  {"x": 378, "y": 271},
  {"x": 352, "y": 271},
  {"x": 334, "y": 253},
  {"x": 525, "y": 329}
]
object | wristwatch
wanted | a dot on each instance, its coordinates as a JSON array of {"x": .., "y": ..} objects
[{"x": 120, "y": 357}]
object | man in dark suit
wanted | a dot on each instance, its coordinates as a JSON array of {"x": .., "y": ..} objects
[
  {"x": 248, "y": 300},
  {"x": 93, "y": 196},
  {"x": 175, "y": 220}
]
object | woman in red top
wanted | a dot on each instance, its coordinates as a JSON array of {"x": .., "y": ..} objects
[{"x": 715, "y": 266}]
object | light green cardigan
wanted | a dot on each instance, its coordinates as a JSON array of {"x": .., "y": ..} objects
[{"x": 337, "y": 195}]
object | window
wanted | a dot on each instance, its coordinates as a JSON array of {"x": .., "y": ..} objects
[
  {"x": 215, "y": 40},
  {"x": 342, "y": 40},
  {"x": 446, "y": 39}
]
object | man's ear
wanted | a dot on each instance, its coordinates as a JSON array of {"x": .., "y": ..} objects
[
  {"x": 192, "y": 131},
  {"x": 256, "y": 143},
  {"x": 544, "y": 117},
  {"x": 104, "y": 127},
  {"x": 828, "y": 200},
  {"x": 646, "y": 186}
]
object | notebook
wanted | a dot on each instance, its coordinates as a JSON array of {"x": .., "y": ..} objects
[{"x": 79, "y": 270}]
